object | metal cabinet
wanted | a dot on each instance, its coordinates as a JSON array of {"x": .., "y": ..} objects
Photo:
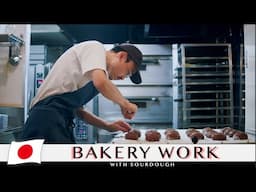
[
  {"x": 153, "y": 96},
  {"x": 151, "y": 109},
  {"x": 202, "y": 85},
  {"x": 250, "y": 77}
]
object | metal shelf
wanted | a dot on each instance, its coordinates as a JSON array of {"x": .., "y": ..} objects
[
  {"x": 206, "y": 125},
  {"x": 199, "y": 71},
  {"x": 206, "y": 100},
  {"x": 207, "y": 83},
  {"x": 205, "y": 108},
  {"x": 241, "y": 105},
  {"x": 205, "y": 58},
  {"x": 206, "y": 74},
  {"x": 206, "y": 66},
  {"x": 208, "y": 117},
  {"x": 210, "y": 91}
]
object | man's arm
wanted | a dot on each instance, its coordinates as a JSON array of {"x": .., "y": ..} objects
[
  {"x": 98, "y": 122},
  {"x": 110, "y": 91}
]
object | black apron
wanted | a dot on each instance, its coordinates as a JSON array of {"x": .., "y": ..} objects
[{"x": 52, "y": 118}]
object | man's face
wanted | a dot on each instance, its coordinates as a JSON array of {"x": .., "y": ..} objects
[{"x": 120, "y": 68}]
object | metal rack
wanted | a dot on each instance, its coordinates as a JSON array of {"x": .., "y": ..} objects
[
  {"x": 242, "y": 90},
  {"x": 202, "y": 85}
]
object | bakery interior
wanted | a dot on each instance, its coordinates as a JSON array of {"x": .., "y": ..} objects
[{"x": 198, "y": 80}]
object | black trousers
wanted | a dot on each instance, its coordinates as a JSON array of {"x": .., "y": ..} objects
[{"x": 49, "y": 124}]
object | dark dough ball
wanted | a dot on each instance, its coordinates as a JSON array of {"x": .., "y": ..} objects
[
  {"x": 153, "y": 135},
  {"x": 137, "y": 131},
  {"x": 190, "y": 131},
  {"x": 225, "y": 130},
  {"x": 171, "y": 135},
  {"x": 197, "y": 134},
  {"x": 209, "y": 134},
  {"x": 218, "y": 136},
  {"x": 168, "y": 130},
  {"x": 240, "y": 135},
  {"x": 231, "y": 132},
  {"x": 206, "y": 129},
  {"x": 133, "y": 134}
]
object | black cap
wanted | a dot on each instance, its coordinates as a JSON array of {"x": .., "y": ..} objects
[{"x": 136, "y": 56}]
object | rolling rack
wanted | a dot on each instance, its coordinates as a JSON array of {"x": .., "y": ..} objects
[
  {"x": 241, "y": 123},
  {"x": 202, "y": 85}
]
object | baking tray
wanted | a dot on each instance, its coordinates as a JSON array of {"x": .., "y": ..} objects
[{"x": 184, "y": 139}]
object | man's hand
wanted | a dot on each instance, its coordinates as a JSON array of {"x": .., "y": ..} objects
[
  {"x": 119, "y": 126},
  {"x": 111, "y": 92},
  {"x": 128, "y": 110}
]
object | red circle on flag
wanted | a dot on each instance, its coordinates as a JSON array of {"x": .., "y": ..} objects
[{"x": 25, "y": 151}]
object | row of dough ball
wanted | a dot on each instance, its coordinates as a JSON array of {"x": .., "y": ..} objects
[
  {"x": 172, "y": 134},
  {"x": 152, "y": 135}
]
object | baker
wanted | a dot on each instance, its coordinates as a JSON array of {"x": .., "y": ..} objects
[{"x": 78, "y": 75}]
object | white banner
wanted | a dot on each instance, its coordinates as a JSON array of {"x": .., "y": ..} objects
[{"x": 141, "y": 152}]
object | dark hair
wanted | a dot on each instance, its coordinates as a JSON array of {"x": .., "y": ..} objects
[
  {"x": 133, "y": 54},
  {"x": 118, "y": 49}
]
